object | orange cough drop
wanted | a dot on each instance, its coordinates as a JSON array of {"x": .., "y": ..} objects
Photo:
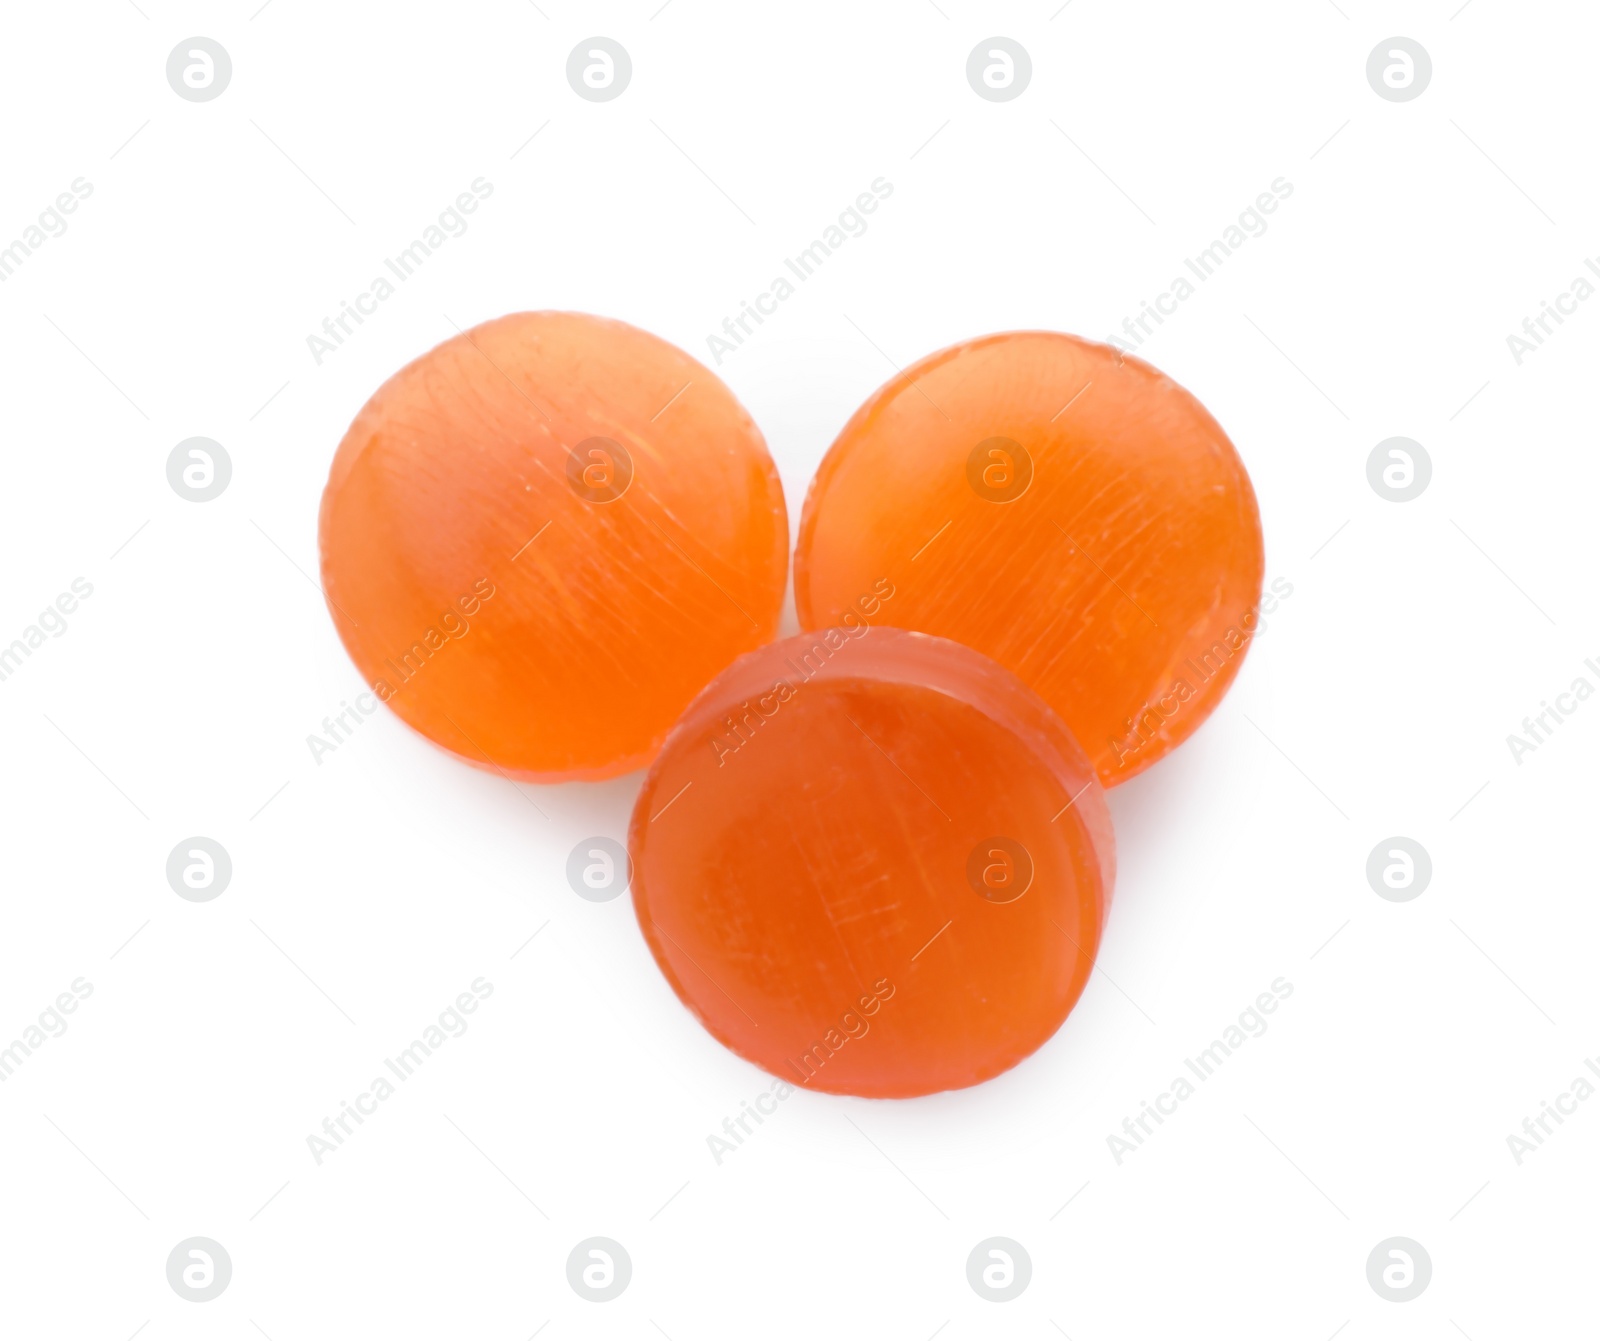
[
  {"x": 1061, "y": 507},
  {"x": 873, "y": 862},
  {"x": 541, "y": 539}
]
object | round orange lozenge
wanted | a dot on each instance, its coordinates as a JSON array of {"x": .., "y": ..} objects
[
  {"x": 541, "y": 540},
  {"x": 873, "y": 862},
  {"x": 1061, "y": 507}
]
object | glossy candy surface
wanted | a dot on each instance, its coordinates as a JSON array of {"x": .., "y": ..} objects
[
  {"x": 873, "y": 862},
  {"x": 541, "y": 539},
  {"x": 1065, "y": 509}
]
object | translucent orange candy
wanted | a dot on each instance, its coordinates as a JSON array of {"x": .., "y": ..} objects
[
  {"x": 541, "y": 539},
  {"x": 1062, "y": 507},
  {"x": 873, "y": 862}
]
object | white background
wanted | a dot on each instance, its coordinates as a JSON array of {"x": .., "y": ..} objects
[{"x": 178, "y": 701}]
